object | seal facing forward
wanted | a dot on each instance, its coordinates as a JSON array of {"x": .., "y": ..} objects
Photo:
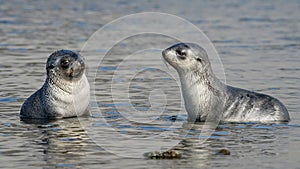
[
  {"x": 65, "y": 92},
  {"x": 207, "y": 98}
]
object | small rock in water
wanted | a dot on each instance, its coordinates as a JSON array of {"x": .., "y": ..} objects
[
  {"x": 170, "y": 154},
  {"x": 223, "y": 152}
]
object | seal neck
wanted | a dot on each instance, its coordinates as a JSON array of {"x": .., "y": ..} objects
[
  {"x": 70, "y": 87},
  {"x": 201, "y": 82},
  {"x": 199, "y": 90}
]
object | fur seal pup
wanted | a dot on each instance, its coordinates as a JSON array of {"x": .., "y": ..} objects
[
  {"x": 65, "y": 92},
  {"x": 206, "y": 96}
]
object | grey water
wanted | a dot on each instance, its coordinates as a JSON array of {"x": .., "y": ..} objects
[{"x": 258, "y": 43}]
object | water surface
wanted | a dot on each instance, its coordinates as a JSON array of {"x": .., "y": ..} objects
[{"x": 258, "y": 43}]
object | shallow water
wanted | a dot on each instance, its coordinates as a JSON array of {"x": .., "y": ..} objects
[{"x": 258, "y": 43}]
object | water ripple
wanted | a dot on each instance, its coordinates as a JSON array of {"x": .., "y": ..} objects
[{"x": 8, "y": 100}]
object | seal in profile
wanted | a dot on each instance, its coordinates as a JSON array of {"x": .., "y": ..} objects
[
  {"x": 207, "y": 98},
  {"x": 65, "y": 92}
]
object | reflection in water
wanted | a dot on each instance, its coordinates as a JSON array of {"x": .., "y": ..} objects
[
  {"x": 61, "y": 142},
  {"x": 238, "y": 139},
  {"x": 64, "y": 143}
]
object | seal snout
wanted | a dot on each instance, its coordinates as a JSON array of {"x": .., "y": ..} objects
[
  {"x": 73, "y": 67},
  {"x": 168, "y": 55},
  {"x": 166, "y": 52},
  {"x": 77, "y": 68}
]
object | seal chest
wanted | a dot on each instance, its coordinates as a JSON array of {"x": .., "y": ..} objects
[
  {"x": 65, "y": 92},
  {"x": 207, "y": 98}
]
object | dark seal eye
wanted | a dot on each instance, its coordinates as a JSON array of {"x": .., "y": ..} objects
[
  {"x": 181, "y": 54},
  {"x": 199, "y": 60},
  {"x": 65, "y": 63}
]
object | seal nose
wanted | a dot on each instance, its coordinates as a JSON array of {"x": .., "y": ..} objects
[
  {"x": 78, "y": 64},
  {"x": 164, "y": 52},
  {"x": 77, "y": 68}
]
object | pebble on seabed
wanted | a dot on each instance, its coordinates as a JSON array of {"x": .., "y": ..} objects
[{"x": 223, "y": 152}]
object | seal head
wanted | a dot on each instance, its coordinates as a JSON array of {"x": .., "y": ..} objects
[
  {"x": 185, "y": 57},
  {"x": 65, "y": 64}
]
